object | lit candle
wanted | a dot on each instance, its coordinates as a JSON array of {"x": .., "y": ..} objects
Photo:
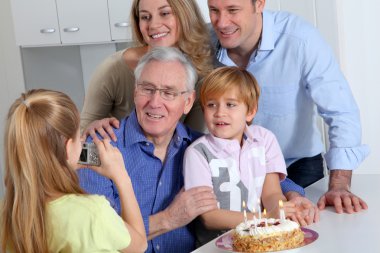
[
  {"x": 245, "y": 213},
  {"x": 259, "y": 209},
  {"x": 265, "y": 217},
  {"x": 254, "y": 217},
  {"x": 282, "y": 211}
]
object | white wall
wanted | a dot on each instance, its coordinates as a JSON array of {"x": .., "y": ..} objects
[
  {"x": 11, "y": 76},
  {"x": 359, "y": 36}
]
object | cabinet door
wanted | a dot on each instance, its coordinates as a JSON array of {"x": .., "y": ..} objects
[
  {"x": 35, "y": 22},
  {"x": 83, "y": 21},
  {"x": 120, "y": 24}
]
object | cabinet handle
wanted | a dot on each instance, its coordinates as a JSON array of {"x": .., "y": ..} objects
[
  {"x": 71, "y": 29},
  {"x": 47, "y": 30},
  {"x": 122, "y": 24}
]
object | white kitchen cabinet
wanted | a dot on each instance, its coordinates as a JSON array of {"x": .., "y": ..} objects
[
  {"x": 75, "y": 22},
  {"x": 83, "y": 21},
  {"x": 49, "y": 22},
  {"x": 120, "y": 23},
  {"x": 36, "y": 22}
]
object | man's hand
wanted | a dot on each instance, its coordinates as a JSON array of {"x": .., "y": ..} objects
[
  {"x": 103, "y": 127},
  {"x": 305, "y": 211},
  {"x": 187, "y": 205},
  {"x": 339, "y": 194}
]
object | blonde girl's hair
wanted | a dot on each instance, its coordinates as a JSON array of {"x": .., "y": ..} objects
[
  {"x": 38, "y": 126},
  {"x": 222, "y": 79},
  {"x": 194, "y": 37}
]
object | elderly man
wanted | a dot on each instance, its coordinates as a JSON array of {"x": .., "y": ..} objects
[{"x": 153, "y": 142}]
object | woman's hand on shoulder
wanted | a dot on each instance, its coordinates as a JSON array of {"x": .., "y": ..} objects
[{"x": 103, "y": 127}]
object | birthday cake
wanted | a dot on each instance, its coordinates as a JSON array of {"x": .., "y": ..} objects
[{"x": 272, "y": 235}]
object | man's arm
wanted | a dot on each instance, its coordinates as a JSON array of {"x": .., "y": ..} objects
[
  {"x": 335, "y": 103},
  {"x": 339, "y": 194},
  {"x": 186, "y": 206}
]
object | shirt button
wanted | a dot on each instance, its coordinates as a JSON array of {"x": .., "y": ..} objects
[
  {"x": 146, "y": 143},
  {"x": 158, "y": 247},
  {"x": 159, "y": 183}
]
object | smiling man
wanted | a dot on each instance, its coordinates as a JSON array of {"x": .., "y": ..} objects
[
  {"x": 299, "y": 79},
  {"x": 153, "y": 143}
]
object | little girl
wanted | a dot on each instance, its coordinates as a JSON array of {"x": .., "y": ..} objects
[
  {"x": 44, "y": 209},
  {"x": 241, "y": 163}
]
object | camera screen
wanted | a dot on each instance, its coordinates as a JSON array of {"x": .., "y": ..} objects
[{"x": 83, "y": 155}]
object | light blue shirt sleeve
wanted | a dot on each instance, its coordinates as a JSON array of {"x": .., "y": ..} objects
[{"x": 329, "y": 90}]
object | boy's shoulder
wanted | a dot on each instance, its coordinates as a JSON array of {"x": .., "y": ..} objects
[{"x": 200, "y": 140}]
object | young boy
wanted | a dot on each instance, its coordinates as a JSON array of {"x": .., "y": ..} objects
[{"x": 241, "y": 163}]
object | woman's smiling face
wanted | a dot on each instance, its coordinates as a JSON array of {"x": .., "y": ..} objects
[{"x": 158, "y": 24}]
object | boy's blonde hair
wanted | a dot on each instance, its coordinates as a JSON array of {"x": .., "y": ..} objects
[
  {"x": 39, "y": 124},
  {"x": 222, "y": 79}
]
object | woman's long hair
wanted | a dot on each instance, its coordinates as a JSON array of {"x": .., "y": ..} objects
[
  {"x": 38, "y": 125},
  {"x": 194, "y": 37}
]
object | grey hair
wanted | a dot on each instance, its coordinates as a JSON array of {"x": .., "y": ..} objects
[{"x": 169, "y": 54}]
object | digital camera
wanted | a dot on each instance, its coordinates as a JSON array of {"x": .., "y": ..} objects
[{"x": 89, "y": 155}]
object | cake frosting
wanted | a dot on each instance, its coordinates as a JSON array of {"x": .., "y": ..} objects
[{"x": 255, "y": 236}]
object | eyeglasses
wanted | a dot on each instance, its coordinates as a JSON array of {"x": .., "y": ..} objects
[{"x": 150, "y": 90}]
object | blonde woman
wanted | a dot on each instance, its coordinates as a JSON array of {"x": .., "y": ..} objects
[
  {"x": 164, "y": 23},
  {"x": 44, "y": 209}
]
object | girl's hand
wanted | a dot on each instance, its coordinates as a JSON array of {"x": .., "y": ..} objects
[
  {"x": 112, "y": 163},
  {"x": 289, "y": 208},
  {"x": 306, "y": 212}
]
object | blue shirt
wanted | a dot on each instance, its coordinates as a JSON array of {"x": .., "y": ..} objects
[
  {"x": 155, "y": 184},
  {"x": 299, "y": 79}
]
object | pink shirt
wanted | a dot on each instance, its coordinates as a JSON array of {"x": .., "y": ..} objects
[{"x": 235, "y": 173}]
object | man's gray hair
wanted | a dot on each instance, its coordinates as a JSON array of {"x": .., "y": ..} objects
[{"x": 169, "y": 54}]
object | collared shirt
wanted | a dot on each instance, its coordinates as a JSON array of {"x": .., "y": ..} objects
[
  {"x": 236, "y": 173},
  {"x": 155, "y": 184},
  {"x": 299, "y": 78}
]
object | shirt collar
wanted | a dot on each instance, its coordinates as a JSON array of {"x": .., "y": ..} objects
[
  {"x": 266, "y": 42},
  {"x": 250, "y": 136},
  {"x": 133, "y": 132},
  {"x": 267, "y": 36},
  {"x": 220, "y": 145}
]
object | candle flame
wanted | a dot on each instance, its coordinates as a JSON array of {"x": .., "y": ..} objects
[
  {"x": 253, "y": 210},
  {"x": 265, "y": 212},
  {"x": 280, "y": 203},
  {"x": 243, "y": 204}
]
